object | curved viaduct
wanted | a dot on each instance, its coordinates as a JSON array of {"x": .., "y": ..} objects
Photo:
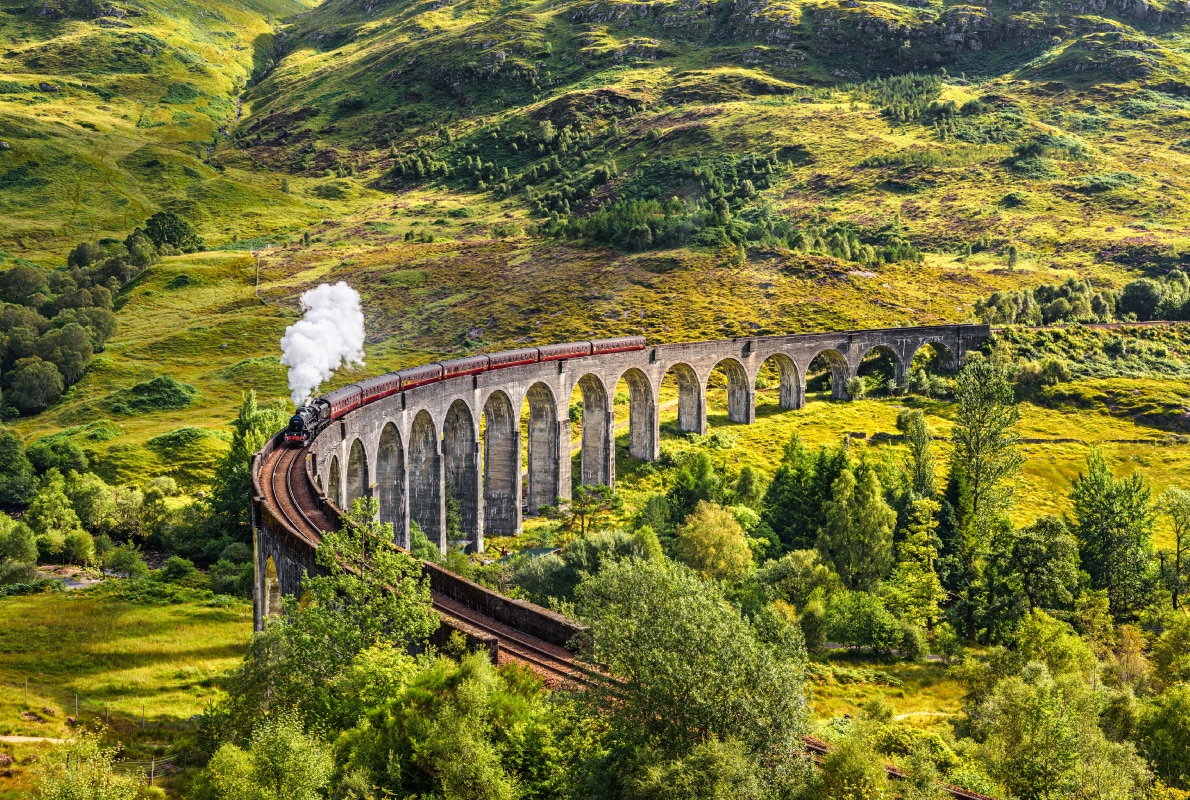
[{"x": 465, "y": 433}]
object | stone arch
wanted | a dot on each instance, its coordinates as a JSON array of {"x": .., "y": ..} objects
[
  {"x": 791, "y": 394},
  {"x": 691, "y": 398},
  {"x": 358, "y": 485},
  {"x": 425, "y": 479},
  {"x": 391, "y": 482},
  {"x": 884, "y": 350},
  {"x": 741, "y": 395},
  {"x": 460, "y": 457},
  {"x": 598, "y": 448},
  {"x": 946, "y": 357},
  {"x": 271, "y": 596},
  {"x": 549, "y": 443},
  {"x": 839, "y": 372},
  {"x": 643, "y": 439},
  {"x": 334, "y": 483},
  {"x": 501, "y": 467}
]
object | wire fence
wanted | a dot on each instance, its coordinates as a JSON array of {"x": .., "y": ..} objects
[{"x": 80, "y": 709}]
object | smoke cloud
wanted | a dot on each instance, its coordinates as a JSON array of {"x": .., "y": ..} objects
[{"x": 329, "y": 335}]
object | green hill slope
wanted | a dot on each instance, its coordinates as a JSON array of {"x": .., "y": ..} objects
[{"x": 495, "y": 173}]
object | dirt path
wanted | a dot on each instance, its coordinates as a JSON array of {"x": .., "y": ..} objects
[{"x": 29, "y": 739}]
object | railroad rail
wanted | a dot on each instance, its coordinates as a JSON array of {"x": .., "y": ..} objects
[{"x": 289, "y": 493}]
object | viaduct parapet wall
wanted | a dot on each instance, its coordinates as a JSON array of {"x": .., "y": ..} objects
[{"x": 406, "y": 449}]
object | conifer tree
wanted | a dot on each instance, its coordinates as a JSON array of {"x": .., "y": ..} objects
[
  {"x": 916, "y": 588},
  {"x": 857, "y": 536}
]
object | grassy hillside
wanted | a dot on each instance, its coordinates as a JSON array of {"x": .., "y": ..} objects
[{"x": 491, "y": 174}]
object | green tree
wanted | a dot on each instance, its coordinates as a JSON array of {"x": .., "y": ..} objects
[
  {"x": 281, "y": 761},
  {"x": 920, "y": 468},
  {"x": 712, "y": 770},
  {"x": 1171, "y": 652},
  {"x": 465, "y": 730},
  {"x": 17, "y": 481},
  {"x": 587, "y": 507},
  {"x": 915, "y": 590},
  {"x": 1042, "y": 740},
  {"x": 167, "y": 228},
  {"x": 986, "y": 444},
  {"x": 857, "y": 537},
  {"x": 1163, "y": 732},
  {"x": 853, "y": 771},
  {"x": 126, "y": 561},
  {"x": 1175, "y": 506},
  {"x": 82, "y": 770},
  {"x": 686, "y": 666},
  {"x": 712, "y": 542},
  {"x": 1041, "y": 562},
  {"x": 35, "y": 384},
  {"x": 50, "y": 512},
  {"x": 750, "y": 487},
  {"x": 697, "y": 481},
  {"x": 229, "y": 501},
  {"x": 1113, "y": 520},
  {"x": 56, "y": 452},
  {"x": 985, "y": 459},
  {"x": 369, "y": 593},
  {"x": 1140, "y": 297},
  {"x": 92, "y": 500},
  {"x": 795, "y": 499}
]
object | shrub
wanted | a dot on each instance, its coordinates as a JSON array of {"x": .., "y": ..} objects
[
  {"x": 177, "y": 568},
  {"x": 1106, "y": 181},
  {"x": 914, "y": 646},
  {"x": 126, "y": 561},
  {"x": 813, "y": 623},
  {"x": 857, "y": 388},
  {"x": 78, "y": 548},
  {"x": 162, "y": 393},
  {"x": 860, "y": 620}
]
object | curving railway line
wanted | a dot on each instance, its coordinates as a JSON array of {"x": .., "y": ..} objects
[{"x": 288, "y": 492}]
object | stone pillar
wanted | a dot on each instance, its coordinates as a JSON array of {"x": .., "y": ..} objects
[
  {"x": 562, "y": 459},
  {"x": 599, "y": 441},
  {"x": 502, "y": 470}
]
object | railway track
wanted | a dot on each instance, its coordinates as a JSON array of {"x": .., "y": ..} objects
[
  {"x": 290, "y": 493},
  {"x": 516, "y": 645}
]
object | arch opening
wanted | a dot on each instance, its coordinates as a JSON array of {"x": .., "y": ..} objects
[
  {"x": 934, "y": 357},
  {"x": 634, "y": 402},
  {"x": 272, "y": 590},
  {"x": 460, "y": 451},
  {"x": 728, "y": 389},
  {"x": 681, "y": 380},
  {"x": 882, "y": 370},
  {"x": 595, "y": 416},
  {"x": 390, "y": 483},
  {"x": 548, "y": 443},
  {"x": 828, "y": 372},
  {"x": 334, "y": 483},
  {"x": 501, "y": 467},
  {"x": 778, "y": 378},
  {"x": 425, "y": 479},
  {"x": 358, "y": 485},
  {"x": 928, "y": 368}
]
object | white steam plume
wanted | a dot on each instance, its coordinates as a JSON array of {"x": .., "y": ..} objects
[{"x": 329, "y": 335}]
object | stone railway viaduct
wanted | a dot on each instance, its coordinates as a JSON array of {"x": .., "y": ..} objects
[{"x": 403, "y": 450}]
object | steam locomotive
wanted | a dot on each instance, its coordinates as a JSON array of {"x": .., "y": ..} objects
[{"x": 312, "y": 417}]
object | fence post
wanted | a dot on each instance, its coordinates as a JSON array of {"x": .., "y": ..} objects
[{"x": 152, "y": 770}]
